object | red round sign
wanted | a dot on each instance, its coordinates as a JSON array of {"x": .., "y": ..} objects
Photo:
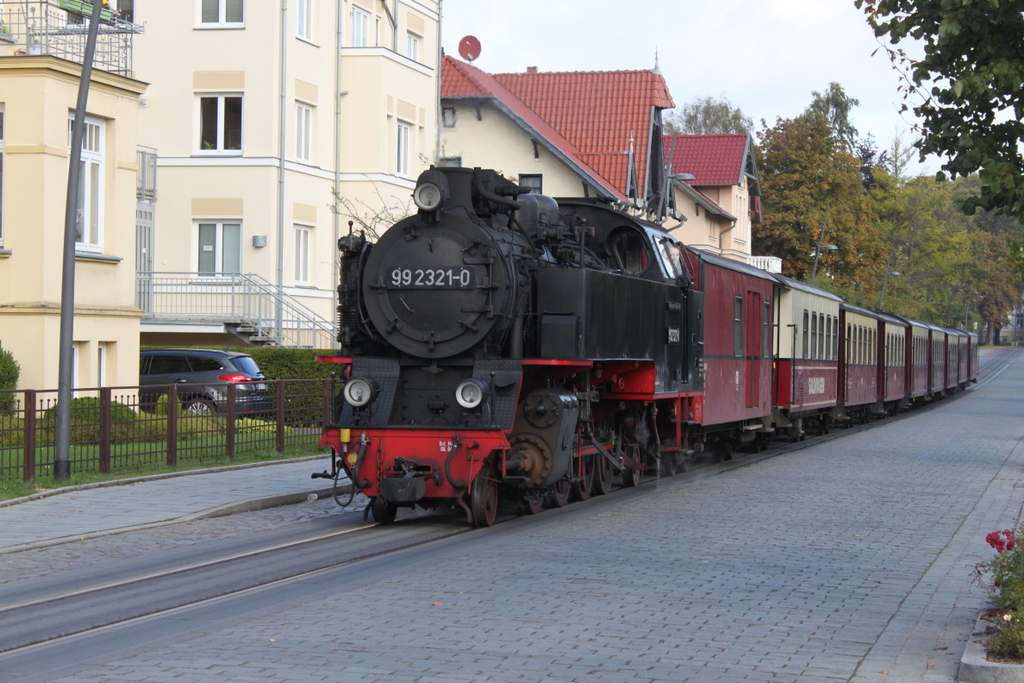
[{"x": 469, "y": 48}]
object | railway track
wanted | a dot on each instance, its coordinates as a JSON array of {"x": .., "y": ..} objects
[{"x": 40, "y": 615}]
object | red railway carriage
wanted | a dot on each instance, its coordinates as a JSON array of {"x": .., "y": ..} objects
[
  {"x": 806, "y": 382},
  {"x": 972, "y": 357},
  {"x": 858, "y": 353},
  {"x": 737, "y": 345},
  {"x": 956, "y": 354},
  {"x": 936, "y": 360},
  {"x": 916, "y": 361},
  {"x": 892, "y": 356}
]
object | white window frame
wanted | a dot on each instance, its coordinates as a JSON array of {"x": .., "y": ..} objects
[
  {"x": 101, "y": 364},
  {"x": 412, "y": 46},
  {"x": 304, "y": 20},
  {"x": 301, "y": 261},
  {"x": 220, "y": 149},
  {"x": 218, "y": 246},
  {"x": 303, "y": 132},
  {"x": 91, "y": 184},
  {"x": 360, "y": 36},
  {"x": 222, "y": 18},
  {"x": 402, "y": 142}
]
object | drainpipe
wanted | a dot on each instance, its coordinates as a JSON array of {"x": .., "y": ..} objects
[
  {"x": 279, "y": 313},
  {"x": 338, "y": 94}
]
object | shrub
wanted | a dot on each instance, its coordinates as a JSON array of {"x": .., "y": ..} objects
[
  {"x": 1007, "y": 588},
  {"x": 10, "y": 371},
  {"x": 12, "y": 431},
  {"x": 85, "y": 421}
]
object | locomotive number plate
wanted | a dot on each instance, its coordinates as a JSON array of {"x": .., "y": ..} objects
[{"x": 447, "y": 278}]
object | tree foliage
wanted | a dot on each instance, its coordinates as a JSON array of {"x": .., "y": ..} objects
[
  {"x": 809, "y": 183},
  {"x": 971, "y": 81},
  {"x": 834, "y": 105},
  {"x": 708, "y": 116}
]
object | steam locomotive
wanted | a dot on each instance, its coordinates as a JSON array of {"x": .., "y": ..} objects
[{"x": 502, "y": 345}]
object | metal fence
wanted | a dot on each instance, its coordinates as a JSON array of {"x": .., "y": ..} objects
[{"x": 113, "y": 432}]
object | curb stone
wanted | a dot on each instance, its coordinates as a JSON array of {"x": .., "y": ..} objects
[{"x": 975, "y": 668}]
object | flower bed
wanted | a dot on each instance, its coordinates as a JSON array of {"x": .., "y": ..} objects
[{"x": 1006, "y": 583}]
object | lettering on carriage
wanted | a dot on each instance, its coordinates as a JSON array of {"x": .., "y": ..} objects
[
  {"x": 445, "y": 446},
  {"x": 815, "y": 385},
  {"x": 673, "y": 335}
]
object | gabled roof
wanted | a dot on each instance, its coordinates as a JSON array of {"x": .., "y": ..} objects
[
  {"x": 712, "y": 159},
  {"x": 600, "y": 112},
  {"x": 709, "y": 204},
  {"x": 460, "y": 80}
]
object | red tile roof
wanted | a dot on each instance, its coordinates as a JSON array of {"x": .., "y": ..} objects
[
  {"x": 598, "y": 111},
  {"x": 713, "y": 159},
  {"x": 595, "y": 113},
  {"x": 460, "y": 80}
]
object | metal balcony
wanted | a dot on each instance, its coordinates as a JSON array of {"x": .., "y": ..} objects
[{"x": 59, "y": 28}]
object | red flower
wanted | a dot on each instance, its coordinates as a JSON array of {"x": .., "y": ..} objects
[{"x": 1001, "y": 540}]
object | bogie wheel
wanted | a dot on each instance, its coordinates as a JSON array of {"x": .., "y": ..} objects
[
  {"x": 484, "y": 500},
  {"x": 383, "y": 511},
  {"x": 559, "y": 496},
  {"x": 631, "y": 477},
  {"x": 199, "y": 407},
  {"x": 602, "y": 476},
  {"x": 584, "y": 486}
]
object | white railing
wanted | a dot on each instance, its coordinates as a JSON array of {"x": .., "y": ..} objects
[
  {"x": 773, "y": 264},
  {"x": 248, "y": 302},
  {"x": 59, "y": 28}
]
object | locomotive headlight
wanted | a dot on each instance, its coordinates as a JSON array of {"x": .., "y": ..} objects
[
  {"x": 427, "y": 196},
  {"x": 358, "y": 392},
  {"x": 470, "y": 393}
]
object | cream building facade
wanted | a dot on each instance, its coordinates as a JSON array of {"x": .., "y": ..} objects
[
  {"x": 274, "y": 124},
  {"x": 38, "y": 96}
]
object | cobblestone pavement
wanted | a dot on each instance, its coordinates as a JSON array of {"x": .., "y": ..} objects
[{"x": 846, "y": 561}]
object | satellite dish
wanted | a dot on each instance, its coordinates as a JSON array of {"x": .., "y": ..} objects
[{"x": 469, "y": 48}]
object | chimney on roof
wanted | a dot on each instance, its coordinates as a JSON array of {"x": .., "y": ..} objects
[{"x": 531, "y": 69}]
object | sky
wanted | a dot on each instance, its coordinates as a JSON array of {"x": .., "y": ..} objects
[{"x": 767, "y": 57}]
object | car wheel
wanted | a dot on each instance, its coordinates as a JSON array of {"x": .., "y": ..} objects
[{"x": 199, "y": 407}]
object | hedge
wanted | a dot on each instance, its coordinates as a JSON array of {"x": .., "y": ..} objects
[{"x": 10, "y": 371}]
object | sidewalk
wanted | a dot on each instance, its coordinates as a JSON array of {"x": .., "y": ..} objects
[{"x": 91, "y": 511}]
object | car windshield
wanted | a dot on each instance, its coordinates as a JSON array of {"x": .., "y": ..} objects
[{"x": 247, "y": 365}]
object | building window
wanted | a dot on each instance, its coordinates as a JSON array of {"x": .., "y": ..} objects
[
  {"x": 220, "y": 123},
  {"x": 304, "y": 25},
  {"x": 89, "y": 218},
  {"x": 226, "y": 13},
  {"x": 101, "y": 364},
  {"x": 412, "y": 46},
  {"x": 402, "y": 147},
  {"x": 448, "y": 117},
  {"x": 360, "y": 27},
  {"x": 220, "y": 248},
  {"x": 534, "y": 181},
  {"x": 303, "y": 132},
  {"x": 302, "y": 234}
]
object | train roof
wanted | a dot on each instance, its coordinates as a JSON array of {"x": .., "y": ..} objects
[
  {"x": 857, "y": 309},
  {"x": 730, "y": 264},
  {"x": 804, "y": 287}
]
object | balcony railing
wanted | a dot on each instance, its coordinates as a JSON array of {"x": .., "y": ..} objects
[
  {"x": 60, "y": 28},
  {"x": 246, "y": 303}
]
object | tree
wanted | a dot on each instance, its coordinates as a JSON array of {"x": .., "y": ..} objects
[
  {"x": 835, "y": 106},
  {"x": 707, "y": 116},
  {"x": 971, "y": 81},
  {"x": 809, "y": 181}
]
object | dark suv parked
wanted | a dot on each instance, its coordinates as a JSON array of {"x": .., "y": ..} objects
[{"x": 202, "y": 377}]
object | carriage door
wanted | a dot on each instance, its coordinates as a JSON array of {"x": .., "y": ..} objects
[{"x": 753, "y": 348}]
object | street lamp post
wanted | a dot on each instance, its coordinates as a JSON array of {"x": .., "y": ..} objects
[
  {"x": 885, "y": 281},
  {"x": 817, "y": 255}
]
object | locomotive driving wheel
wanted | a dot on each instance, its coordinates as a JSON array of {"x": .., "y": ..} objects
[
  {"x": 583, "y": 486},
  {"x": 383, "y": 511},
  {"x": 632, "y": 476},
  {"x": 602, "y": 476},
  {"x": 483, "y": 501},
  {"x": 559, "y": 496}
]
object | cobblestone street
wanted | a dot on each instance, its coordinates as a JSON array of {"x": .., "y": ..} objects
[{"x": 845, "y": 561}]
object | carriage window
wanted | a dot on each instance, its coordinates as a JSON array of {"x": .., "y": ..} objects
[
  {"x": 821, "y": 336},
  {"x": 814, "y": 336},
  {"x": 766, "y": 332},
  {"x": 828, "y": 337},
  {"x": 629, "y": 251},
  {"x": 836, "y": 331},
  {"x": 805, "y": 348},
  {"x": 737, "y": 317}
]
